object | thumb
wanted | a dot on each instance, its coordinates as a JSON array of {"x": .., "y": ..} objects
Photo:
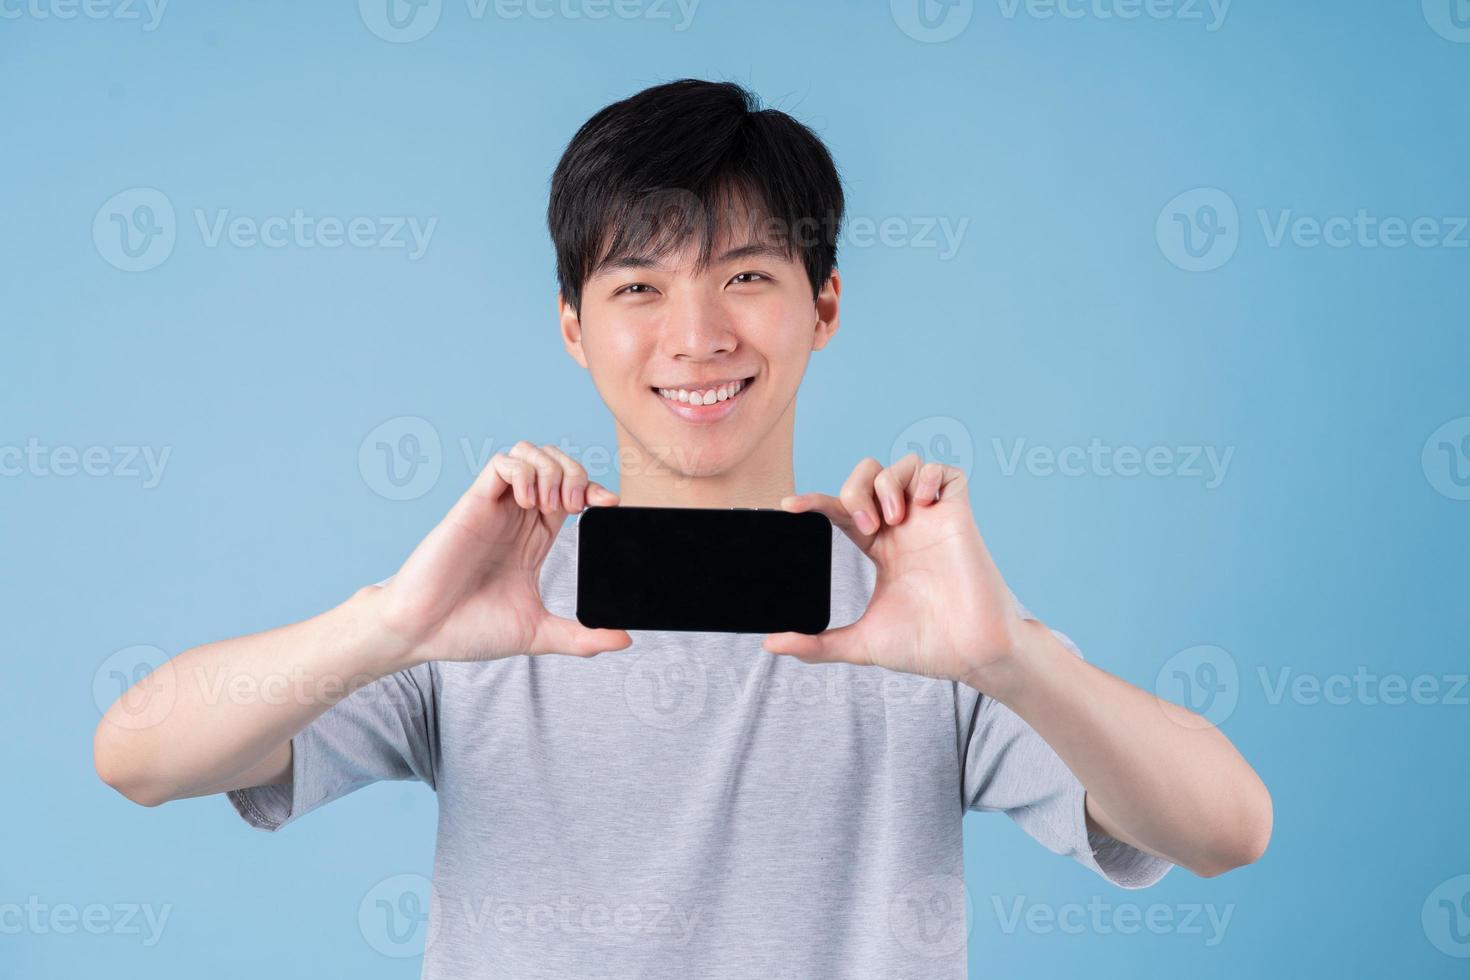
[
  {"x": 829, "y": 646},
  {"x": 600, "y": 496},
  {"x": 557, "y": 634}
]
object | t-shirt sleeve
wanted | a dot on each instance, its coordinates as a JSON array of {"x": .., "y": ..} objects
[
  {"x": 384, "y": 730},
  {"x": 1009, "y": 767}
]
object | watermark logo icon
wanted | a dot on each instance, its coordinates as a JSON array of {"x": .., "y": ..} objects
[
  {"x": 666, "y": 690},
  {"x": 1204, "y": 679},
  {"x": 932, "y": 21},
  {"x": 135, "y": 229},
  {"x": 1446, "y": 917},
  {"x": 932, "y": 916},
  {"x": 397, "y": 917},
  {"x": 1199, "y": 230},
  {"x": 400, "y": 21},
  {"x": 401, "y": 459},
  {"x": 1446, "y": 459},
  {"x": 139, "y": 680},
  {"x": 937, "y": 439},
  {"x": 1449, "y": 18}
]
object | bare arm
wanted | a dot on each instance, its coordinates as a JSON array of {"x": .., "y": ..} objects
[
  {"x": 1158, "y": 776},
  {"x": 221, "y": 716}
]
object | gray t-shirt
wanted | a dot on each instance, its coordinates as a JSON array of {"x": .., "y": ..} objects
[{"x": 693, "y": 806}]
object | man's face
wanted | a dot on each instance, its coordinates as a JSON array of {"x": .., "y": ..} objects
[{"x": 733, "y": 337}]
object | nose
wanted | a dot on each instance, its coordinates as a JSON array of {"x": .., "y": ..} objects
[{"x": 696, "y": 330}]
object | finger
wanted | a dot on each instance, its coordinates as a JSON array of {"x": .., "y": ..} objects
[
  {"x": 935, "y": 481},
  {"x": 839, "y": 645},
  {"x": 857, "y": 495},
  {"x": 520, "y": 475},
  {"x": 548, "y": 473},
  {"x": 893, "y": 485},
  {"x": 600, "y": 495},
  {"x": 836, "y": 512},
  {"x": 557, "y": 634},
  {"x": 573, "y": 479},
  {"x": 490, "y": 482},
  {"x": 889, "y": 485}
]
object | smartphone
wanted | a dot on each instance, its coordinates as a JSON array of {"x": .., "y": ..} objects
[{"x": 717, "y": 570}]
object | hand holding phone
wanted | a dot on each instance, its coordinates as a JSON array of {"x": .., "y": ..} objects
[{"x": 471, "y": 589}]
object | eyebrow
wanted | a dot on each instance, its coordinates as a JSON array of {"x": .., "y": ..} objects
[{"x": 753, "y": 250}]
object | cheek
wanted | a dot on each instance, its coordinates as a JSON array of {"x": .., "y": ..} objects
[
  {"x": 615, "y": 351},
  {"x": 781, "y": 331}
]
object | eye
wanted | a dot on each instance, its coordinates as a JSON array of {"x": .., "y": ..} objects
[
  {"x": 745, "y": 277},
  {"x": 634, "y": 289}
]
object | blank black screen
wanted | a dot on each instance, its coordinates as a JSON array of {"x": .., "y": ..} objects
[{"x": 704, "y": 569}]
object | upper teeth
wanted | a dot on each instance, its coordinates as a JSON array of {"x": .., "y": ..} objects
[{"x": 706, "y": 397}]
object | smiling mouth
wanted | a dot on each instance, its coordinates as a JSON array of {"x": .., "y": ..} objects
[{"x": 701, "y": 397}]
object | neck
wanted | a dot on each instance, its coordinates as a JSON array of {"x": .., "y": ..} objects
[{"x": 671, "y": 478}]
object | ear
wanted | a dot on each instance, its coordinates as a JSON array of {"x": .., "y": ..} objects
[
  {"x": 828, "y": 301},
  {"x": 571, "y": 330}
]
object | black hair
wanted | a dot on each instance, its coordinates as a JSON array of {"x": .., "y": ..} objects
[{"x": 645, "y": 173}]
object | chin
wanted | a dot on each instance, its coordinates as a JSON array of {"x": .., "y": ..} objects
[{"x": 691, "y": 454}]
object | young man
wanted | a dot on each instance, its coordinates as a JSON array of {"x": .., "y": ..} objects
[{"x": 700, "y": 804}]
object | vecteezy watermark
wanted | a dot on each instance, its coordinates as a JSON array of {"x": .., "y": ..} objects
[
  {"x": 944, "y": 234},
  {"x": 669, "y": 690},
  {"x": 139, "y": 681},
  {"x": 1200, "y": 230},
  {"x": 1206, "y": 680},
  {"x": 398, "y": 917},
  {"x": 149, "y": 13},
  {"x": 402, "y": 916},
  {"x": 1210, "y": 13},
  {"x": 626, "y": 921},
  {"x": 37, "y": 918},
  {"x": 1101, "y": 917},
  {"x": 405, "y": 21},
  {"x": 1446, "y": 917},
  {"x": 144, "y": 463},
  {"x": 1446, "y": 459},
  {"x": 140, "y": 684},
  {"x": 1363, "y": 686},
  {"x": 666, "y": 689},
  {"x": 400, "y": 21},
  {"x": 1450, "y": 19},
  {"x": 933, "y": 21},
  {"x": 932, "y": 916},
  {"x": 136, "y": 230},
  {"x": 302, "y": 230},
  {"x": 402, "y": 458},
  {"x": 1362, "y": 230},
  {"x": 937, "y": 439},
  {"x": 669, "y": 215},
  {"x": 1208, "y": 464}
]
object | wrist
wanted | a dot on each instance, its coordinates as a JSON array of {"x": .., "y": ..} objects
[
  {"x": 1035, "y": 656},
  {"x": 378, "y": 649}
]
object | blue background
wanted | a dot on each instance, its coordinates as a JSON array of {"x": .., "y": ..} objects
[{"x": 1060, "y": 319}]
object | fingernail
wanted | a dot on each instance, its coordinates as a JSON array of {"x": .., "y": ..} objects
[
  {"x": 865, "y": 522},
  {"x": 889, "y": 510}
]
